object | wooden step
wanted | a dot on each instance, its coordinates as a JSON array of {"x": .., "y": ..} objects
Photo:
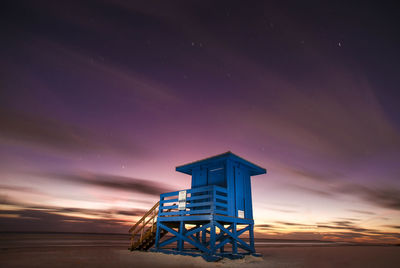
[
  {"x": 148, "y": 236},
  {"x": 148, "y": 240}
]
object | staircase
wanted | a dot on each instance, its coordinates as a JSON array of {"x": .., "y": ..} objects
[{"x": 147, "y": 226}]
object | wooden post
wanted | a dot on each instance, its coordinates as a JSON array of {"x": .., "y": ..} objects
[
  {"x": 198, "y": 233},
  {"x": 180, "y": 241},
  {"x": 251, "y": 236},
  {"x": 234, "y": 243},
  {"x": 141, "y": 231},
  {"x": 204, "y": 236},
  {"x": 212, "y": 237},
  {"x": 156, "y": 244}
]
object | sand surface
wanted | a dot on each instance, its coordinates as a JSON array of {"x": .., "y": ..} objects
[{"x": 89, "y": 252}]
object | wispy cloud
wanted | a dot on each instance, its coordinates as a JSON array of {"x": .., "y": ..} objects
[
  {"x": 45, "y": 221},
  {"x": 110, "y": 181},
  {"x": 22, "y": 189},
  {"x": 310, "y": 190},
  {"x": 383, "y": 197},
  {"x": 362, "y": 211},
  {"x": 293, "y": 224},
  {"x": 60, "y": 135},
  {"x": 393, "y": 226},
  {"x": 264, "y": 226},
  {"x": 314, "y": 175},
  {"x": 25, "y": 217},
  {"x": 380, "y": 196}
]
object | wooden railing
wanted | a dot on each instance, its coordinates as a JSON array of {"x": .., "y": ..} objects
[
  {"x": 148, "y": 222},
  {"x": 201, "y": 200}
]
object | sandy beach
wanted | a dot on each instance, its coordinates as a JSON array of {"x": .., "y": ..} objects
[{"x": 52, "y": 250}]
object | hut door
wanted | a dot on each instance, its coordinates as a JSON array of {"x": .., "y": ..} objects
[{"x": 216, "y": 176}]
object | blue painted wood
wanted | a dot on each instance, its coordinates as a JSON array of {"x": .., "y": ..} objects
[
  {"x": 199, "y": 229},
  {"x": 216, "y": 175},
  {"x": 221, "y": 212},
  {"x": 224, "y": 242},
  {"x": 170, "y": 207},
  {"x": 251, "y": 238},
  {"x": 231, "y": 188},
  {"x": 192, "y": 218},
  {"x": 233, "y": 235},
  {"x": 187, "y": 169},
  {"x": 220, "y": 187},
  {"x": 249, "y": 202},
  {"x": 247, "y": 228},
  {"x": 199, "y": 246},
  {"x": 233, "y": 241},
  {"x": 230, "y": 171},
  {"x": 221, "y": 203},
  {"x": 208, "y": 203},
  {"x": 168, "y": 201},
  {"x": 157, "y": 241},
  {"x": 231, "y": 219},
  {"x": 212, "y": 238},
  {"x": 180, "y": 240},
  {"x": 168, "y": 241}
]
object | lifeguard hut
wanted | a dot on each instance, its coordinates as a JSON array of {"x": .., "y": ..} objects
[{"x": 212, "y": 219}]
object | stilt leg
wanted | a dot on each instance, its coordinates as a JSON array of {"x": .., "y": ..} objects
[
  {"x": 156, "y": 244},
  {"x": 234, "y": 243},
  {"x": 251, "y": 237},
  {"x": 180, "y": 241}
]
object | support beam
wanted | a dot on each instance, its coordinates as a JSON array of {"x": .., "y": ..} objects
[
  {"x": 212, "y": 238},
  {"x": 156, "y": 244},
  {"x": 181, "y": 232},
  {"x": 233, "y": 241},
  {"x": 234, "y": 236},
  {"x": 190, "y": 241},
  {"x": 251, "y": 237}
]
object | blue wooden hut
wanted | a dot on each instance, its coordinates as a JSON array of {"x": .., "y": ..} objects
[{"x": 211, "y": 218}]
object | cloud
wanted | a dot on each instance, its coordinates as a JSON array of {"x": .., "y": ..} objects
[
  {"x": 349, "y": 228},
  {"x": 379, "y": 196},
  {"x": 348, "y": 225},
  {"x": 99, "y": 212},
  {"x": 50, "y": 221},
  {"x": 56, "y": 134},
  {"x": 26, "y": 217},
  {"x": 283, "y": 210},
  {"x": 393, "y": 226},
  {"x": 293, "y": 224},
  {"x": 114, "y": 182},
  {"x": 102, "y": 213},
  {"x": 350, "y": 219},
  {"x": 310, "y": 190},
  {"x": 343, "y": 223},
  {"x": 16, "y": 188},
  {"x": 383, "y": 197},
  {"x": 313, "y": 175},
  {"x": 362, "y": 211},
  {"x": 264, "y": 226}
]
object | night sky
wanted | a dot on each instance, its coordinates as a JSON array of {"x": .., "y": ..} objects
[{"x": 101, "y": 100}]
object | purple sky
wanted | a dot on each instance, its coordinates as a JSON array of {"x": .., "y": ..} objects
[{"x": 101, "y": 100}]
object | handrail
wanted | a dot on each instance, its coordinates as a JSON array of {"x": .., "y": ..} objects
[
  {"x": 144, "y": 217},
  {"x": 143, "y": 223}
]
